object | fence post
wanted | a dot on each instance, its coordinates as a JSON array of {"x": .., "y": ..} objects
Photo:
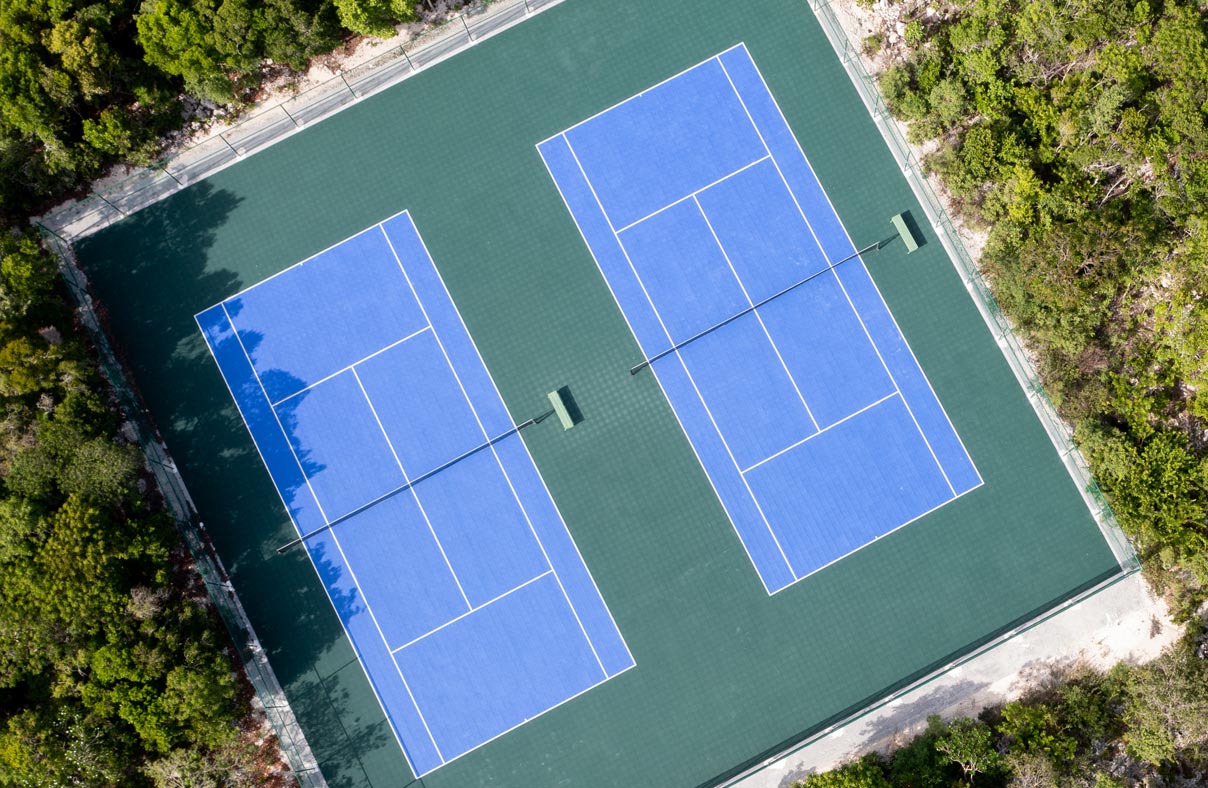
[
  {"x": 101, "y": 197},
  {"x": 291, "y": 117},
  {"x": 292, "y": 742},
  {"x": 164, "y": 170},
  {"x": 1000, "y": 328}
]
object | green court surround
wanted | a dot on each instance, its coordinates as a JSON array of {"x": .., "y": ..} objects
[{"x": 725, "y": 674}]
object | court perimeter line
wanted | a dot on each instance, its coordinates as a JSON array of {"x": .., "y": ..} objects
[
  {"x": 755, "y": 312},
  {"x": 635, "y": 96},
  {"x": 914, "y": 519},
  {"x": 824, "y": 429},
  {"x": 893, "y": 319},
  {"x": 310, "y": 386},
  {"x": 494, "y": 452},
  {"x": 541, "y": 713},
  {"x": 309, "y": 557},
  {"x": 692, "y": 195},
  {"x": 382, "y": 635},
  {"x": 306, "y": 478},
  {"x": 549, "y": 496},
  {"x": 637, "y": 340},
  {"x": 415, "y": 496},
  {"x": 680, "y": 358},
  {"x": 471, "y": 611},
  {"x": 838, "y": 279}
]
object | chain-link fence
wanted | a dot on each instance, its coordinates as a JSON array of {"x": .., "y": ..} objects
[
  {"x": 1058, "y": 431},
  {"x": 209, "y": 566},
  {"x": 111, "y": 203},
  {"x": 272, "y": 123},
  {"x": 1013, "y": 351}
]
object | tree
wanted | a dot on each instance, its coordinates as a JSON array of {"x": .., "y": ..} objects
[
  {"x": 1167, "y": 707},
  {"x": 42, "y": 748},
  {"x": 177, "y": 37},
  {"x": 374, "y": 17},
  {"x": 919, "y": 764},
  {"x": 867, "y": 772},
  {"x": 232, "y": 764},
  {"x": 1030, "y": 770},
  {"x": 28, "y": 278},
  {"x": 62, "y": 66},
  {"x": 1035, "y": 728},
  {"x": 967, "y": 744}
]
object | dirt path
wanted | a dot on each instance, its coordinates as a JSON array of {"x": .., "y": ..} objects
[{"x": 1123, "y": 622}]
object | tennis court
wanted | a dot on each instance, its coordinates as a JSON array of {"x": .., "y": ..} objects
[
  {"x": 474, "y": 626},
  {"x": 812, "y": 418},
  {"x": 463, "y": 593}
]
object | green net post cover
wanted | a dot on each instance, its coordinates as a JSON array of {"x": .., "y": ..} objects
[
  {"x": 903, "y": 227},
  {"x": 560, "y": 409}
]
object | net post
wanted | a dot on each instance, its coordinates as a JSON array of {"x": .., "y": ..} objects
[{"x": 411, "y": 483}]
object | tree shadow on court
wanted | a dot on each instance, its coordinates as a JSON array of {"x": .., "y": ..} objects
[
  {"x": 151, "y": 274},
  {"x": 344, "y": 725},
  {"x": 339, "y": 738}
]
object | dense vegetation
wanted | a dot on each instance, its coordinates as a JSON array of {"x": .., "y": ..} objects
[
  {"x": 1145, "y": 725},
  {"x": 113, "y": 669},
  {"x": 1076, "y": 131},
  {"x": 86, "y": 83}
]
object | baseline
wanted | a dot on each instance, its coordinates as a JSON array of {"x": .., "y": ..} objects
[{"x": 835, "y": 242}]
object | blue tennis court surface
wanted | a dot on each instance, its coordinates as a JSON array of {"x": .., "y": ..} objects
[
  {"x": 810, "y": 415},
  {"x": 464, "y": 595}
]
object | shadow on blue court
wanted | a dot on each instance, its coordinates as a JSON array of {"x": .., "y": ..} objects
[{"x": 462, "y": 591}]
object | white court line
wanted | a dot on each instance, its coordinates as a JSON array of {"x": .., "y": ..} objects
[
  {"x": 541, "y": 713},
  {"x": 494, "y": 451},
  {"x": 276, "y": 418},
  {"x": 509, "y": 592},
  {"x": 310, "y": 386},
  {"x": 511, "y": 419},
  {"x": 382, "y": 635},
  {"x": 298, "y": 530},
  {"x": 692, "y": 380},
  {"x": 879, "y": 537},
  {"x": 880, "y": 295},
  {"x": 301, "y": 263},
  {"x": 755, "y": 312},
  {"x": 792, "y": 446},
  {"x": 692, "y": 195},
  {"x": 344, "y": 558},
  {"x": 418, "y": 503},
  {"x": 657, "y": 379},
  {"x": 635, "y": 96},
  {"x": 838, "y": 279}
]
